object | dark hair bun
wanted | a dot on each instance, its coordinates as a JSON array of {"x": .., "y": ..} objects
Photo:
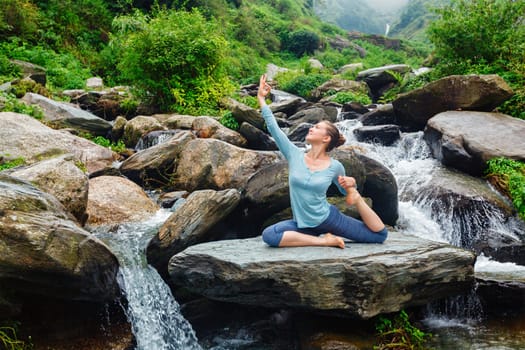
[{"x": 341, "y": 141}]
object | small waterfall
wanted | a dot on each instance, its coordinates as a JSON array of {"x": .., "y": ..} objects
[
  {"x": 411, "y": 162},
  {"x": 152, "y": 311},
  {"x": 424, "y": 215},
  {"x": 154, "y": 138}
]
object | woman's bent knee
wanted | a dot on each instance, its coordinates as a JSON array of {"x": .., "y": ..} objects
[
  {"x": 271, "y": 237},
  {"x": 382, "y": 235}
]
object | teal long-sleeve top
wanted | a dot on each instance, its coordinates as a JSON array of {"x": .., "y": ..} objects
[{"x": 307, "y": 188}]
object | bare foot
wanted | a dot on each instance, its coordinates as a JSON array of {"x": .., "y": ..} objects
[
  {"x": 352, "y": 196},
  {"x": 334, "y": 241}
]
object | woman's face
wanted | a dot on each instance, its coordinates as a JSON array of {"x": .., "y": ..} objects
[{"x": 317, "y": 134}]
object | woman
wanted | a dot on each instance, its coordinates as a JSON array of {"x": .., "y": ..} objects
[{"x": 315, "y": 222}]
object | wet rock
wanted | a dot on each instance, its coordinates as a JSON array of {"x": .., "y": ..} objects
[
  {"x": 116, "y": 200},
  {"x": 362, "y": 281},
  {"x": 466, "y": 140},
  {"x": 190, "y": 224},
  {"x": 26, "y": 137},
  {"x": 456, "y": 92}
]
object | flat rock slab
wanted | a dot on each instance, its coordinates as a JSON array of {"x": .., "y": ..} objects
[{"x": 362, "y": 281}]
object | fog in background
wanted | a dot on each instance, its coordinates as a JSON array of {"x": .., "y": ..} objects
[{"x": 386, "y": 6}]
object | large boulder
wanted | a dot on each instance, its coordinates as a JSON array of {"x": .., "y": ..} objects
[
  {"x": 466, "y": 140},
  {"x": 26, "y": 137},
  {"x": 456, "y": 92},
  {"x": 257, "y": 139},
  {"x": 381, "y": 186},
  {"x": 32, "y": 71},
  {"x": 243, "y": 113},
  {"x": 67, "y": 115},
  {"x": 207, "y": 127},
  {"x": 153, "y": 166},
  {"x": 115, "y": 200},
  {"x": 362, "y": 281},
  {"x": 191, "y": 223},
  {"x": 339, "y": 85},
  {"x": 381, "y": 79},
  {"x": 43, "y": 252},
  {"x": 214, "y": 164},
  {"x": 138, "y": 127},
  {"x": 62, "y": 178}
]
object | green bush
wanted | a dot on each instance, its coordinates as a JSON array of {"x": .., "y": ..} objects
[
  {"x": 509, "y": 177},
  {"x": 9, "y": 103},
  {"x": 480, "y": 30},
  {"x": 301, "y": 42},
  {"x": 19, "y": 18},
  {"x": 63, "y": 70},
  {"x": 299, "y": 84},
  {"x": 229, "y": 121},
  {"x": 348, "y": 96},
  {"x": 483, "y": 37},
  {"x": 175, "y": 60}
]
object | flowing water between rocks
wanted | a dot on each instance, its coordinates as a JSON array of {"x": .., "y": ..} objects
[
  {"x": 152, "y": 311},
  {"x": 459, "y": 324}
]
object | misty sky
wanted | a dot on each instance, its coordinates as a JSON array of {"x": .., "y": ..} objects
[{"x": 386, "y": 5}]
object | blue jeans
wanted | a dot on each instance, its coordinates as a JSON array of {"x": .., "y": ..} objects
[{"x": 336, "y": 223}]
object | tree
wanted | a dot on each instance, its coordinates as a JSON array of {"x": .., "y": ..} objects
[
  {"x": 302, "y": 41},
  {"x": 480, "y": 31}
]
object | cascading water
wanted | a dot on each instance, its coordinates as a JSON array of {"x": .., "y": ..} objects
[
  {"x": 152, "y": 311},
  {"x": 422, "y": 214}
]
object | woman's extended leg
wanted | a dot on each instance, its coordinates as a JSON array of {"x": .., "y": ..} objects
[
  {"x": 368, "y": 215},
  {"x": 350, "y": 228},
  {"x": 286, "y": 234}
]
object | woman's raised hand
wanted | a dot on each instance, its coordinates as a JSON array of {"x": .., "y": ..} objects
[{"x": 264, "y": 89}]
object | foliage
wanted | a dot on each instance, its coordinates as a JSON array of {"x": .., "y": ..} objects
[
  {"x": 79, "y": 25},
  {"x": 509, "y": 177},
  {"x": 406, "y": 83},
  {"x": 480, "y": 30},
  {"x": 348, "y": 96},
  {"x": 8, "y": 70},
  {"x": 483, "y": 37},
  {"x": 8, "y": 164},
  {"x": 399, "y": 333},
  {"x": 9, "y": 103},
  {"x": 118, "y": 146},
  {"x": 10, "y": 341},
  {"x": 175, "y": 60},
  {"x": 18, "y": 18},
  {"x": 63, "y": 70},
  {"x": 229, "y": 121},
  {"x": 300, "y": 84},
  {"x": 301, "y": 42}
]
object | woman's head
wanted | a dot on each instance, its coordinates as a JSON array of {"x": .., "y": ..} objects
[{"x": 336, "y": 139}]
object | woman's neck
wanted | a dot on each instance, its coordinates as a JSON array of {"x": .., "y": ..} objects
[{"x": 317, "y": 152}]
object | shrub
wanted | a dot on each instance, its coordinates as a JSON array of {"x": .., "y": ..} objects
[
  {"x": 301, "y": 42},
  {"x": 229, "y": 121},
  {"x": 300, "y": 84},
  {"x": 175, "y": 60},
  {"x": 9, "y": 103},
  {"x": 18, "y": 18},
  {"x": 348, "y": 96}
]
